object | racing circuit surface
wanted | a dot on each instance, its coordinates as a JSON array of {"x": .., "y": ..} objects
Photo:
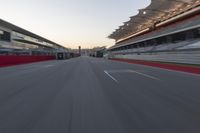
[{"x": 89, "y": 95}]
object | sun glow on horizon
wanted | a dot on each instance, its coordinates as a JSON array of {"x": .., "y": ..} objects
[{"x": 71, "y": 23}]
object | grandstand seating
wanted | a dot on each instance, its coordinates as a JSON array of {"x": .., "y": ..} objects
[
  {"x": 175, "y": 46},
  {"x": 174, "y": 39},
  {"x": 182, "y": 45},
  {"x": 195, "y": 21},
  {"x": 195, "y": 45}
]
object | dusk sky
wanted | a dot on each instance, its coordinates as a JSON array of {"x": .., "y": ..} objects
[{"x": 71, "y": 22}]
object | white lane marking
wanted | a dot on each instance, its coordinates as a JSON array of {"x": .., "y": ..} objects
[
  {"x": 121, "y": 71},
  {"x": 145, "y": 75},
  {"x": 107, "y": 73}
]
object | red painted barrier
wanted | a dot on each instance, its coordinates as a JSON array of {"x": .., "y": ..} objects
[
  {"x": 177, "y": 67},
  {"x": 9, "y": 60}
]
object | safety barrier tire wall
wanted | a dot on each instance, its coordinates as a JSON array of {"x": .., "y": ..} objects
[{"x": 10, "y": 60}]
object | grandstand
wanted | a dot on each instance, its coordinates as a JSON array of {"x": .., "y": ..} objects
[
  {"x": 17, "y": 41},
  {"x": 166, "y": 30}
]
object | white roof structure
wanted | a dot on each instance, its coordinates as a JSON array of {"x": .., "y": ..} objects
[{"x": 158, "y": 11}]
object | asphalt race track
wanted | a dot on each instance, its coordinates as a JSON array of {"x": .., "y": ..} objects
[{"x": 89, "y": 95}]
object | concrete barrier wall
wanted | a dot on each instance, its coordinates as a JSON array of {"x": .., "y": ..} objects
[
  {"x": 177, "y": 57},
  {"x": 10, "y": 60}
]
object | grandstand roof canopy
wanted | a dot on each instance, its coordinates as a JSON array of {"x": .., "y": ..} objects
[
  {"x": 157, "y": 11},
  {"x": 25, "y": 32}
]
